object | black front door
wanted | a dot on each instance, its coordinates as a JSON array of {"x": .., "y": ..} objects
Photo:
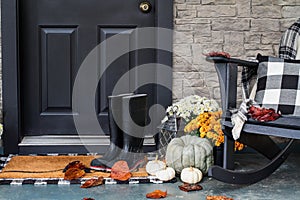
[{"x": 55, "y": 36}]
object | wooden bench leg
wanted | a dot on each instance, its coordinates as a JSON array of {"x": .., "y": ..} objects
[{"x": 228, "y": 159}]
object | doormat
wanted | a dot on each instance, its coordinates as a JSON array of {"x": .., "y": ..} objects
[{"x": 48, "y": 169}]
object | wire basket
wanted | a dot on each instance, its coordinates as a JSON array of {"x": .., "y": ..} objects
[{"x": 167, "y": 131}]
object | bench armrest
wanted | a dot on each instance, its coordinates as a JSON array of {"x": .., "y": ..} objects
[
  {"x": 239, "y": 62},
  {"x": 227, "y": 73}
]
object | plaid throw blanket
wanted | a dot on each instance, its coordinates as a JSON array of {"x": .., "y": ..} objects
[
  {"x": 248, "y": 77},
  {"x": 288, "y": 42}
]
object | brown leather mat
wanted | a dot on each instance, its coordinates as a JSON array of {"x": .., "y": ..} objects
[{"x": 44, "y": 167}]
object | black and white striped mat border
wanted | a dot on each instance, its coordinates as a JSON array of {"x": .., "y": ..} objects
[
  {"x": 59, "y": 181},
  {"x": 4, "y": 160}
]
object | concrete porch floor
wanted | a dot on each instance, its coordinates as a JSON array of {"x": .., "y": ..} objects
[{"x": 283, "y": 184}]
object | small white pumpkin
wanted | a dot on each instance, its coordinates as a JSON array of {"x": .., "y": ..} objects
[
  {"x": 191, "y": 175},
  {"x": 166, "y": 174},
  {"x": 154, "y": 166}
]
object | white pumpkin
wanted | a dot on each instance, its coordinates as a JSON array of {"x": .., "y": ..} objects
[
  {"x": 154, "y": 166},
  {"x": 191, "y": 175},
  {"x": 166, "y": 174}
]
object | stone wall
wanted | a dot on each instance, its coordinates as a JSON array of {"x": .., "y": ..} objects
[{"x": 241, "y": 27}]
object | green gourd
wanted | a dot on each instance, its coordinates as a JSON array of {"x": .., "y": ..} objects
[{"x": 189, "y": 151}]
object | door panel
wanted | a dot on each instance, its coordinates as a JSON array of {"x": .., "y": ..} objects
[
  {"x": 55, "y": 37},
  {"x": 119, "y": 67},
  {"x": 58, "y": 55}
]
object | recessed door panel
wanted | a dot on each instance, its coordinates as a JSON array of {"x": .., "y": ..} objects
[
  {"x": 58, "y": 59},
  {"x": 112, "y": 72}
]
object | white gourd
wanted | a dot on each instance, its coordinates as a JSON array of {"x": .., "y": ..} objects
[
  {"x": 166, "y": 174},
  {"x": 191, "y": 175},
  {"x": 188, "y": 151},
  {"x": 154, "y": 166}
]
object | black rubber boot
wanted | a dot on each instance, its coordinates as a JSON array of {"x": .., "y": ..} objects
[
  {"x": 116, "y": 134},
  {"x": 134, "y": 114}
]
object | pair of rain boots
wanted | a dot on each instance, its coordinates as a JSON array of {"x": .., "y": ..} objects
[{"x": 127, "y": 119}]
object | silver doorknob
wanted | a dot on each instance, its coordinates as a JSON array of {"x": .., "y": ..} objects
[{"x": 145, "y": 7}]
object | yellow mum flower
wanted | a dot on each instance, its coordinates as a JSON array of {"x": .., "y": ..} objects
[
  {"x": 210, "y": 134},
  {"x": 202, "y": 135},
  {"x": 212, "y": 120},
  {"x": 204, "y": 129},
  {"x": 206, "y": 115},
  {"x": 202, "y": 122},
  {"x": 241, "y": 146},
  {"x": 220, "y": 132},
  {"x": 217, "y": 143},
  {"x": 217, "y": 127},
  {"x": 207, "y": 123},
  {"x": 221, "y": 139}
]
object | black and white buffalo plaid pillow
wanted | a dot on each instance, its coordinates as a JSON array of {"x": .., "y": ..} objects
[{"x": 278, "y": 84}]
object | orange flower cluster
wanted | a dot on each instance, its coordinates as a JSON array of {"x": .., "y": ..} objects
[{"x": 209, "y": 126}]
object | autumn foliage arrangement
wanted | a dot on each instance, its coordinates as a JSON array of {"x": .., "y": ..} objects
[{"x": 208, "y": 124}]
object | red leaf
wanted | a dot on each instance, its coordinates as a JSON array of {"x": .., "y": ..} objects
[
  {"x": 190, "y": 187},
  {"x": 74, "y": 173},
  {"x": 156, "y": 194},
  {"x": 120, "y": 171},
  {"x": 218, "y": 198},
  {"x": 263, "y": 114},
  {"x": 93, "y": 182},
  {"x": 218, "y": 54},
  {"x": 76, "y": 164}
]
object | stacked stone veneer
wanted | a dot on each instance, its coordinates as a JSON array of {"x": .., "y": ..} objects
[{"x": 241, "y": 27}]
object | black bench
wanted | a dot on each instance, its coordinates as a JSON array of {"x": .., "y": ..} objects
[{"x": 254, "y": 134}]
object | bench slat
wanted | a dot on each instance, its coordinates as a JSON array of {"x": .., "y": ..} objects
[{"x": 285, "y": 126}]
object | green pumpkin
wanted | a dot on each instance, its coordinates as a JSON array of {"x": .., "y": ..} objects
[{"x": 189, "y": 151}]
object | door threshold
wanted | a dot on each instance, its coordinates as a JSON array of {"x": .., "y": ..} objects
[
  {"x": 71, "y": 144},
  {"x": 64, "y": 140}
]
